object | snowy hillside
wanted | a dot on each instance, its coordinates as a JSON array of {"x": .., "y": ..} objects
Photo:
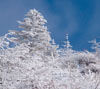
[{"x": 30, "y": 59}]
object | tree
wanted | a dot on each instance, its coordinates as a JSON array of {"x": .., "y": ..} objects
[
  {"x": 95, "y": 46},
  {"x": 67, "y": 50},
  {"x": 34, "y": 34},
  {"x": 67, "y": 43}
]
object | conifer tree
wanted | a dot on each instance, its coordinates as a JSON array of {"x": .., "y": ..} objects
[
  {"x": 67, "y": 43},
  {"x": 95, "y": 46},
  {"x": 34, "y": 34},
  {"x": 67, "y": 50}
]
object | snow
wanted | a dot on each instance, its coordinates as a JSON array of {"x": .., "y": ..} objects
[{"x": 36, "y": 62}]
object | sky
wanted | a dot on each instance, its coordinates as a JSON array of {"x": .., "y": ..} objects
[{"x": 79, "y": 18}]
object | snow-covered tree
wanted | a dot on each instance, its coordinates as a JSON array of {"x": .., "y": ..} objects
[
  {"x": 96, "y": 47},
  {"x": 67, "y": 50},
  {"x": 54, "y": 49},
  {"x": 34, "y": 34},
  {"x": 67, "y": 43}
]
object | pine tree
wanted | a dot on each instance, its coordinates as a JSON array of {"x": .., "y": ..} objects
[
  {"x": 96, "y": 47},
  {"x": 54, "y": 49},
  {"x": 67, "y": 43},
  {"x": 67, "y": 50},
  {"x": 34, "y": 34}
]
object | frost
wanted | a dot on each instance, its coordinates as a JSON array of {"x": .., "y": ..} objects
[{"x": 36, "y": 62}]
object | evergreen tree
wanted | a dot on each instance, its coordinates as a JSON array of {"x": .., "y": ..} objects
[
  {"x": 96, "y": 47},
  {"x": 67, "y": 43},
  {"x": 67, "y": 50},
  {"x": 34, "y": 34}
]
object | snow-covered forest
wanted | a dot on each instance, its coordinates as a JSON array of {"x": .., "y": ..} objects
[{"x": 30, "y": 59}]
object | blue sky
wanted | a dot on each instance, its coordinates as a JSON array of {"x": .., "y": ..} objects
[{"x": 79, "y": 18}]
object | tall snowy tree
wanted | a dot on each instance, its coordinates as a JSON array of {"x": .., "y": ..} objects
[{"x": 34, "y": 34}]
